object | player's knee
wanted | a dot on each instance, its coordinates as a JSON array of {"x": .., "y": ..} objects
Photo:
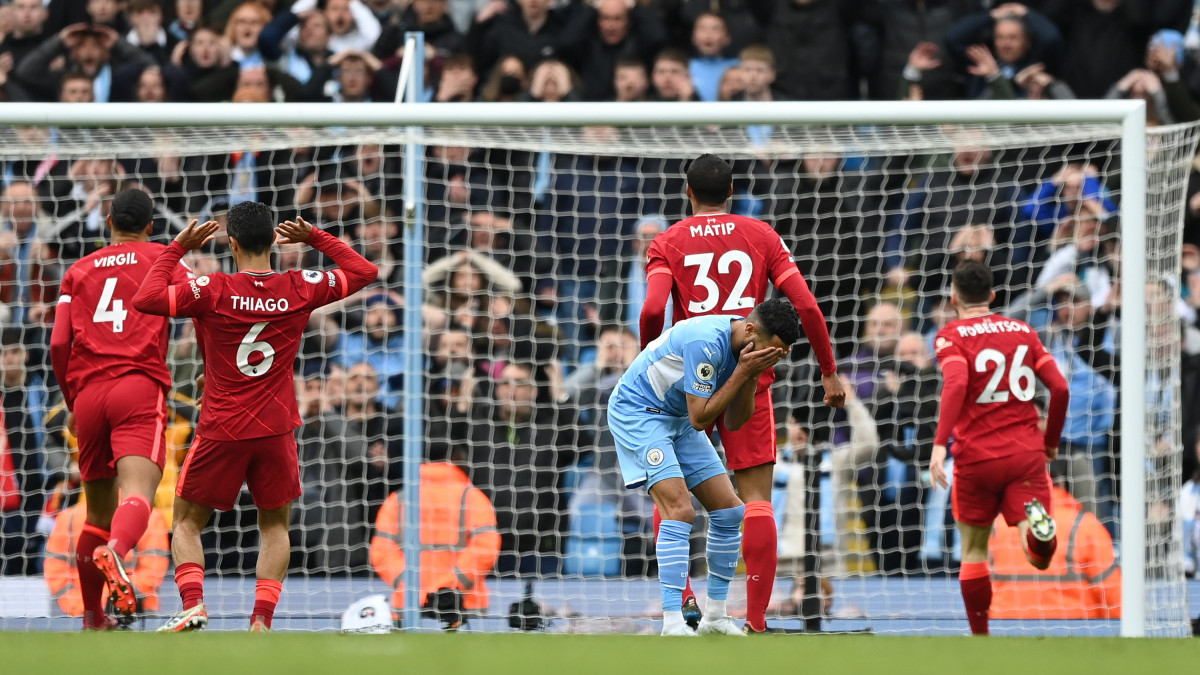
[{"x": 680, "y": 510}]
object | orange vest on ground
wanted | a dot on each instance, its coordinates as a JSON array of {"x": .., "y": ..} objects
[
  {"x": 1082, "y": 582},
  {"x": 459, "y": 541},
  {"x": 146, "y": 564}
]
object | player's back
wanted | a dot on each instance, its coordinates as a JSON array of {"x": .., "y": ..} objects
[
  {"x": 250, "y": 339},
  {"x": 109, "y": 337},
  {"x": 721, "y": 263},
  {"x": 1002, "y": 356}
]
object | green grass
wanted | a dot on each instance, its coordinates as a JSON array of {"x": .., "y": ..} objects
[{"x": 295, "y": 654}]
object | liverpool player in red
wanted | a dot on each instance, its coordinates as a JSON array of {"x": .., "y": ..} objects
[
  {"x": 110, "y": 362},
  {"x": 990, "y": 365},
  {"x": 250, "y": 325},
  {"x": 717, "y": 263}
]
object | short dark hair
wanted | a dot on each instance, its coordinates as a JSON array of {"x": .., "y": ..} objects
[
  {"x": 674, "y": 55},
  {"x": 777, "y": 318},
  {"x": 710, "y": 178},
  {"x": 132, "y": 210},
  {"x": 253, "y": 226},
  {"x": 972, "y": 281},
  {"x": 12, "y": 337}
]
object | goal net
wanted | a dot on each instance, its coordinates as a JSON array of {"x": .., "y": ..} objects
[{"x": 533, "y": 278}]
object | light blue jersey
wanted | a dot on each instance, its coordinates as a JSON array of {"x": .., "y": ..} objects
[{"x": 648, "y": 413}]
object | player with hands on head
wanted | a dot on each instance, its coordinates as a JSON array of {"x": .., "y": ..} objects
[
  {"x": 250, "y": 326},
  {"x": 701, "y": 370},
  {"x": 718, "y": 263},
  {"x": 990, "y": 368}
]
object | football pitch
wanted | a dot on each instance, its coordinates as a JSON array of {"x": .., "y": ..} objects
[{"x": 480, "y": 654}]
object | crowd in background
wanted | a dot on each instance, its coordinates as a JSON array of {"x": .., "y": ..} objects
[{"x": 534, "y": 271}]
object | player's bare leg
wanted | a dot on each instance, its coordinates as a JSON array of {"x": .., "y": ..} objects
[
  {"x": 275, "y": 550},
  {"x": 1038, "y": 535},
  {"x": 725, "y": 515},
  {"x": 760, "y": 542},
  {"x": 674, "y": 502},
  {"x": 974, "y": 577},
  {"x": 188, "y": 553},
  {"x": 101, "y": 497},
  {"x": 138, "y": 478},
  {"x": 691, "y": 609}
]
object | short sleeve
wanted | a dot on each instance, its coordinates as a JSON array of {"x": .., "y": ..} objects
[
  {"x": 700, "y": 368},
  {"x": 947, "y": 351},
  {"x": 320, "y": 288},
  {"x": 195, "y": 297}
]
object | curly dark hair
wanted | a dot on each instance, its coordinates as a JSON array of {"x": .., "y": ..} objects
[
  {"x": 972, "y": 281},
  {"x": 711, "y": 179},
  {"x": 253, "y": 226},
  {"x": 777, "y": 318}
]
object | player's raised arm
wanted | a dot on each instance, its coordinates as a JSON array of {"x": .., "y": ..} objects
[
  {"x": 157, "y": 295},
  {"x": 354, "y": 271}
]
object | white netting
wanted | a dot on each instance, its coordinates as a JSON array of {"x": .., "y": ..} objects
[{"x": 534, "y": 238}]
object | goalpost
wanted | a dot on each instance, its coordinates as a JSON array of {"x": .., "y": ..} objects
[{"x": 546, "y": 179}]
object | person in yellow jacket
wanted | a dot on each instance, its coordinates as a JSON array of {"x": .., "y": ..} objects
[
  {"x": 1083, "y": 580},
  {"x": 459, "y": 544},
  {"x": 146, "y": 563}
]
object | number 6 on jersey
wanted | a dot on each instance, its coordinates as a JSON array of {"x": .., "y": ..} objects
[{"x": 251, "y": 345}]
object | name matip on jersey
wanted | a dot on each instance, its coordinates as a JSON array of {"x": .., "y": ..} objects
[
  {"x": 721, "y": 263},
  {"x": 110, "y": 338},
  {"x": 1002, "y": 356},
  {"x": 250, "y": 326}
]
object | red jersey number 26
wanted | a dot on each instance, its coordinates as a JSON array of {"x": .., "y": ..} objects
[
  {"x": 1021, "y": 379},
  {"x": 724, "y": 264}
]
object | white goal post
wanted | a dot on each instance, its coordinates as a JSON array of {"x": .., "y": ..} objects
[{"x": 401, "y": 119}]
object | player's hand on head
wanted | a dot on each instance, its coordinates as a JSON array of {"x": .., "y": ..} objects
[
  {"x": 756, "y": 361},
  {"x": 937, "y": 467},
  {"x": 293, "y": 232},
  {"x": 195, "y": 236}
]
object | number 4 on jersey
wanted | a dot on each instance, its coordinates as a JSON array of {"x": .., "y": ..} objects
[{"x": 109, "y": 310}]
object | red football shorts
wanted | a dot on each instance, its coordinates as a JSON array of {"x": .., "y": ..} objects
[
  {"x": 1004, "y": 485},
  {"x": 121, "y": 417},
  {"x": 213, "y": 473},
  {"x": 753, "y": 444}
]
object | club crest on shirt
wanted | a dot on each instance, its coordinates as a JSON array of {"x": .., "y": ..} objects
[
  {"x": 940, "y": 344},
  {"x": 203, "y": 281},
  {"x": 655, "y": 457},
  {"x": 313, "y": 276},
  {"x": 705, "y": 371}
]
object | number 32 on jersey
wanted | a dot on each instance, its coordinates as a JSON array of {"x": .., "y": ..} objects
[{"x": 735, "y": 301}]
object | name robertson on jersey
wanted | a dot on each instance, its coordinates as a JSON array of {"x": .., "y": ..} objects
[
  {"x": 991, "y": 327},
  {"x": 116, "y": 260},
  {"x": 245, "y": 303}
]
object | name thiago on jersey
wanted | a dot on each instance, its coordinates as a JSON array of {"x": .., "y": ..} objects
[
  {"x": 991, "y": 327},
  {"x": 245, "y": 303}
]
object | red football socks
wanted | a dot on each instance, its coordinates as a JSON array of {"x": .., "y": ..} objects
[
  {"x": 91, "y": 579},
  {"x": 687, "y": 589},
  {"x": 266, "y": 597},
  {"x": 129, "y": 524},
  {"x": 189, "y": 578},
  {"x": 1041, "y": 551},
  {"x": 976, "y": 583},
  {"x": 761, "y": 552}
]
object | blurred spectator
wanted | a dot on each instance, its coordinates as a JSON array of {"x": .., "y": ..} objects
[
  {"x": 1144, "y": 84},
  {"x": 508, "y": 79},
  {"x": 427, "y": 16},
  {"x": 1085, "y": 255},
  {"x": 95, "y": 51},
  {"x": 108, "y": 13},
  {"x": 846, "y": 461},
  {"x": 757, "y": 66},
  {"x": 513, "y": 247},
  {"x": 670, "y": 77},
  {"x": 380, "y": 343},
  {"x": 1062, "y": 196},
  {"x": 22, "y": 421},
  {"x": 352, "y": 24},
  {"x": 76, "y": 88},
  {"x": 202, "y": 54},
  {"x": 902, "y": 27},
  {"x": 147, "y": 32},
  {"x": 458, "y": 80},
  {"x": 532, "y": 30},
  {"x": 1034, "y": 83},
  {"x": 875, "y": 356},
  {"x": 373, "y": 433},
  {"x": 552, "y": 82},
  {"x": 20, "y": 222},
  {"x": 710, "y": 37},
  {"x": 463, "y": 283},
  {"x": 254, "y": 80},
  {"x": 732, "y": 84},
  {"x": 1001, "y": 43},
  {"x": 615, "y": 350},
  {"x": 188, "y": 14},
  {"x": 624, "y": 33},
  {"x": 804, "y": 33},
  {"x": 646, "y": 229},
  {"x": 354, "y": 79},
  {"x": 82, "y": 229},
  {"x": 242, "y": 31},
  {"x": 630, "y": 82},
  {"x": 25, "y": 33},
  {"x": 307, "y": 59}
]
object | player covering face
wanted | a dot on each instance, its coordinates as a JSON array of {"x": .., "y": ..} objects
[
  {"x": 249, "y": 325},
  {"x": 989, "y": 364},
  {"x": 700, "y": 370}
]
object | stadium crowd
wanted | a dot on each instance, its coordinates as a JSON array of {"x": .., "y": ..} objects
[{"x": 534, "y": 270}]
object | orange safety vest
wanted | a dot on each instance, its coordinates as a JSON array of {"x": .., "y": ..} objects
[
  {"x": 147, "y": 563},
  {"x": 459, "y": 541},
  {"x": 1082, "y": 582}
]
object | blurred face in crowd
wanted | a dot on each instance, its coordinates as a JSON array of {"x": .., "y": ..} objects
[
  {"x": 612, "y": 21},
  {"x": 291, "y": 256},
  {"x": 646, "y": 232},
  {"x": 1106, "y": 5},
  {"x": 429, "y": 11},
  {"x": 355, "y": 78},
  {"x": 246, "y": 22},
  {"x": 616, "y": 350},
  {"x": 380, "y": 322},
  {"x": 884, "y": 326},
  {"x": 189, "y": 11},
  {"x": 12, "y": 362},
  {"x": 797, "y": 437},
  {"x": 1087, "y": 226},
  {"x": 314, "y": 33},
  {"x": 1010, "y": 41},
  {"x": 254, "y": 79},
  {"x": 205, "y": 48},
  {"x": 369, "y": 159},
  {"x": 485, "y": 227},
  {"x": 709, "y": 35},
  {"x": 102, "y": 11},
  {"x": 630, "y": 82},
  {"x": 820, "y": 166},
  {"x": 362, "y": 385},
  {"x": 1073, "y": 310},
  {"x": 515, "y": 393},
  {"x": 374, "y": 236},
  {"x": 466, "y": 279},
  {"x": 341, "y": 21},
  {"x": 534, "y": 9},
  {"x": 308, "y": 396},
  {"x": 757, "y": 76},
  {"x": 18, "y": 207},
  {"x": 969, "y": 159},
  {"x": 90, "y": 54},
  {"x": 668, "y": 77},
  {"x": 76, "y": 90},
  {"x": 733, "y": 83},
  {"x": 454, "y": 346},
  {"x": 28, "y": 17},
  {"x": 913, "y": 349},
  {"x": 335, "y": 387},
  {"x": 151, "y": 88},
  {"x": 973, "y": 242}
]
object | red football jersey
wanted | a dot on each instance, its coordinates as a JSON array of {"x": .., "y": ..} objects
[
  {"x": 107, "y": 336},
  {"x": 1002, "y": 358},
  {"x": 722, "y": 264}
]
